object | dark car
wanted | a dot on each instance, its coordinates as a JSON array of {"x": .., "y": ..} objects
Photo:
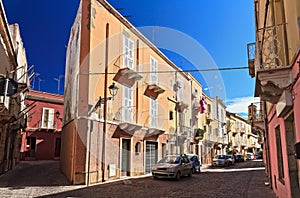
[
  {"x": 258, "y": 156},
  {"x": 196, "y": 162},
  {"x": 238, "y": 157},
  {"x": 172, "y": 166}
]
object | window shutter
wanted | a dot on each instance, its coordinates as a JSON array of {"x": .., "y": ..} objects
[
  {"x": 127, "y": 104},
  {"x": 51, "y": 118},
  {"x": 180, "y": 90},
  {"x": 153, "y": 70},
  {"x": 128, "y": 52},
  {"x": 153, "y": 113}
]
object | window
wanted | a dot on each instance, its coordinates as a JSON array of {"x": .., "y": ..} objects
[
  {"x": 208, "y": 108},
  {"x": 179, "y": 90},
  {"x": 209, "y": 129},
  {"x": 171, "y": 115},
  {"x": 48, "y": 118},
  {"x": 153, "y": 113},
  {"x": 153, "y": 70},
  {"x": 127, "y": 104},
  {"x": 279, "y": 155},
  {"x": 137, "y": 148},
  {"x": 128, "y": 52}
]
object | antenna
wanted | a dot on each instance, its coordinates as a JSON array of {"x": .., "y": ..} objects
[
  {"x": 39, "y": 79},
  {"x": 58, "y": 82}
]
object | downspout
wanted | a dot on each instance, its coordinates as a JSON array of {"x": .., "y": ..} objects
[
  {"x": 267, "y": 142},
  {"x": 105, "y": 102}
]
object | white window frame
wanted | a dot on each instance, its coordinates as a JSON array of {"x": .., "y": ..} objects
[
  {"x": 127, "y": 103},
  {"x": 128, "y": 52},
  {"x": 48, "y": 123},
  {"x": 153, "y": 70},
  {"x": 153, "y": 113}
]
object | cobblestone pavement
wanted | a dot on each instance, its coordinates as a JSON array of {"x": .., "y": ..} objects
[{"x": 244, "y": 179}]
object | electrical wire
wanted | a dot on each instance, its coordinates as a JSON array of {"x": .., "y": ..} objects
[{"x": 177, "y": 71}]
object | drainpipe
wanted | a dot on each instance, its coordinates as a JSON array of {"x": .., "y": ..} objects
[
  {"x": 267, "y": 142},
  {"x": 105, "y": 103}
]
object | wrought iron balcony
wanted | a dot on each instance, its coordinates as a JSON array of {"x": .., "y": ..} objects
[{"x": 266, "y": 61}]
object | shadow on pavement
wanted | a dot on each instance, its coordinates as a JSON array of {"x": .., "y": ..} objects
[{"x": 34, "y": 173}]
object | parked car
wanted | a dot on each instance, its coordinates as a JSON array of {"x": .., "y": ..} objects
[
  {"x": 196, "y": 162},
  {"x": 238, "y": 157},
  {"x": 230, "y": 159},
  {"x": 172, "y": 166},
  {"x": 258, "y": 156},
  {"x": 249, "y": 156},
  {"x": 220, "y": 160}
]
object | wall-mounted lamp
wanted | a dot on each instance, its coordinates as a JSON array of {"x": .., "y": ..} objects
[
  {"x": 57, "y": 114},
  {"x": 113, "y": 90}
]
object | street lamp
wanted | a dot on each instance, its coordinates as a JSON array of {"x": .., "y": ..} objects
[{"x": 113, "y": 89}]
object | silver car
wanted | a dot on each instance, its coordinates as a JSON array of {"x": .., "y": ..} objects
[{"x": 172, "y": 166}]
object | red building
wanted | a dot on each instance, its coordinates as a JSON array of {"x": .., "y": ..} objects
[{"x": 42, "y": 137}]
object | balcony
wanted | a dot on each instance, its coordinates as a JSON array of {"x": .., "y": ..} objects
[
  {"x": 154, "y": 132},
  {"x": 198, "y": 134},
  {"x": 127, "y": 76},
  {"x": 153, "y": 90},
  {"x": 47, "y": 126},
  {"x": 208, "y": 118},
  {"x": 5, "y": 112},
  {"x": 257, "y": 123},
  {"x": 20, "y": 123},
  {"x": 127, "y": 126},
  {"x": 181, "y": 106},
  {"x": 267, "y": 65}
]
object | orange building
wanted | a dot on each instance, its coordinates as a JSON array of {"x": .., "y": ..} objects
[{"x": 112, "y": 132}]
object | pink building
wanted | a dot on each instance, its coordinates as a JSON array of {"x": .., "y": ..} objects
[
  {"x": 42, "y": 137},
  {"x": 274, "y": 60}
]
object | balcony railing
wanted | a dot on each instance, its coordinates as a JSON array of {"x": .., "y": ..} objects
[
  {"x": 47, "y": 125},
  {"x": 266, "y": 60}
]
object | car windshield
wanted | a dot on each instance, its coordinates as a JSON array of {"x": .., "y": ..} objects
[
  {"x": 220, "y": 157},
  {"x": 191, "y": 157},
  {"x": 170, "y": 160}
]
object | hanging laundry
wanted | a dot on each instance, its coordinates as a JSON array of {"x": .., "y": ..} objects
[{"x": 203, "y": 104}]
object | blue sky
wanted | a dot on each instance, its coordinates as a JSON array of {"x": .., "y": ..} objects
[{"x": 223, "y": 28}]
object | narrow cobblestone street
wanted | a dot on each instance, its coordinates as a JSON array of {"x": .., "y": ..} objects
[{"x": 36, "y": 179}]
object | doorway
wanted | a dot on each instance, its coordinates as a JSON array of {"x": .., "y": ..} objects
[
  {"x": 125, "y": 161},
  {"x": 151, "y": 155},
  {"x": 292, "y": 161},
  {"x": 57, "y": 147},
  {"x": 30, "y": 147}
]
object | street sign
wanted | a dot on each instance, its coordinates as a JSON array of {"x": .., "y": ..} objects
[{"x": 9, "y": 86}]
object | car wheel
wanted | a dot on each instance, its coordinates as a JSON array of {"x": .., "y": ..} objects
[
  {"x": 199, "y": 170},
  {"x": 178, "y": 175},
  {"x": 190, "y": 173},
  {"x": 154, "y": 177}
]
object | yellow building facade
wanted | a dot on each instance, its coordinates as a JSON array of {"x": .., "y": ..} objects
[{"x": 113, "y": 132}]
